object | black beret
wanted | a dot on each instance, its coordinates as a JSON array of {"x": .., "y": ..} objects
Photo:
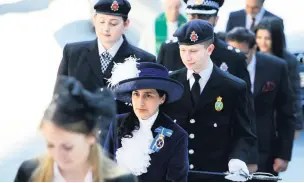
[
  {"x": 194, "y": 32},
  {"x": 113, "y": 7}
]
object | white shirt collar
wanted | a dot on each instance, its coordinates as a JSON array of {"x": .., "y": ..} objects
[
  {"x": 205, "y": 76},
  {"x": 147, "y": 123},
  {"x": 113, "y": 50},
  {"x": 204, "y": 73},
  {"x": 258, "y": 18},
  {"x": 57, "y": 177}
]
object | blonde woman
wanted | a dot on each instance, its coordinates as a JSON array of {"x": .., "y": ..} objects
[{"x": 70, "y": 128}]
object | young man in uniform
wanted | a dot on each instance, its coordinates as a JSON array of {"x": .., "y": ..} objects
[
  {"x": 213, "y": 108},
  {"x": 224, "y": 56},
  {"x": 91, "y": 62}
]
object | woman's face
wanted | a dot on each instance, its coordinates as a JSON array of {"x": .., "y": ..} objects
[
  {"x": 263, "y": 40},
  {"x": 109, "y": 28},
  {"x": 146, "y": 102},
  {"x": 68, "y": 149}
]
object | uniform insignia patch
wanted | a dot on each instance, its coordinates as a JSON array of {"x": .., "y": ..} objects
[
  {"x": 193, "y": 36},
  {"x": 114, "y": 6},
  {"x": 224, "y": 67},
  {"x": 219, "y": 104}
]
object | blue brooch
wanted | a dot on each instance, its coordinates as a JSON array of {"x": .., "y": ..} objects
[{"x": 159, "y": 140}]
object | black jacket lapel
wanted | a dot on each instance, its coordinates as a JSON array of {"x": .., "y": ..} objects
[
  {"x": 258, "y": 80},
  {"x": 208, "y": 93},
  {"x": 94, "y": 61}
]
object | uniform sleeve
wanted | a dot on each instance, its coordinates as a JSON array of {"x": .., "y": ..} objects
[
  {"x": 63, "y": 67},
  {"x": 161, "y": 54},
  {"x": 21, "y": 175},
  {"x": 294, "y": 76},
  {"x": 285, "y": 118},
  {"x": 178, "y": 166},
  {"x": 243, "y": 138}
]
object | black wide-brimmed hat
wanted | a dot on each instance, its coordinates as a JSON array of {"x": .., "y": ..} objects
[{"x": 132, "y": 75}]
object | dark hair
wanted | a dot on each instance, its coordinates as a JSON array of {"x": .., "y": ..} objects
[
  {"x": 131, "y": 122},
  {"x": 221, "y": 35},
  {"x": 241, "y": 35},
  {"x": 77, "y": 110},
  {"x": 274, "y": 26}
]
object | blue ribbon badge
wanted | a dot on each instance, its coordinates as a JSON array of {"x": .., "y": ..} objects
[{"x": 159, "y": 140}]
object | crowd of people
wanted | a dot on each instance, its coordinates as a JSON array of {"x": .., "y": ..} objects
[{"x": 190, "y": 106}]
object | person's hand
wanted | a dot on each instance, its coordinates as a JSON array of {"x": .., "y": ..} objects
[
  {"x": 252, "y": 168},
  {"x": 280, "y": 165},
  {"x": 297, "y": 134}
]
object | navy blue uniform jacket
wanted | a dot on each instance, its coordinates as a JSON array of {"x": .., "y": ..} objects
[{"x": 168, "y": 164}]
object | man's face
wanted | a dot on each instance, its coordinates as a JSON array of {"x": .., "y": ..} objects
[
  {"x": 253, "y": 7},
  {"x": 195, "y": 57},
  {"x": 243, "y": 47},
  {"x": 211, "y": 19},
  {"x": 172, "y": 9}
]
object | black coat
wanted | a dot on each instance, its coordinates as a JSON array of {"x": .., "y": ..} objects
[
  {"x": 28, "y": 167},
  {"x": 272, "y": 92},
  {"x": 81, "y": 60},
  {"x": 238, "y": 19},
  {"x": 222, "y": 54},
  {"x": 216, "y": 137},
  {"x": 170, "y": 163},
  {"x": 294, "y": 76}
]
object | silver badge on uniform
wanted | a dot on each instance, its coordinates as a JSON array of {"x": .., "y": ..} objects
[{"x": 224, "y": 67}]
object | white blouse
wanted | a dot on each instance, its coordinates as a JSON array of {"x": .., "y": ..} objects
[
  {"x": 134, "y": 154},
  {"x": 59, "y": 178}
]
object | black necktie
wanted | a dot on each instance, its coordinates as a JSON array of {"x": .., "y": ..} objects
[
  {"x": 195, "y": 90},
  {"x": 252, "y": 24}
]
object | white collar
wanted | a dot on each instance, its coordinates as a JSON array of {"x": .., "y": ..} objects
[
  {"x": 205, "y": 74},
  {"x": 252, "y": 63},
  {"x": 57, "y": 177},
  {"x": 137, "y": 147},
  {"x": 147, "y": 123},
  {"x": 113, "y": 50}
]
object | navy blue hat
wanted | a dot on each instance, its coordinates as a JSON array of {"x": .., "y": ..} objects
[
  {"x": 207, "y": 7},
  {"x": 132, "y": 75},
  {"x": 71, "y": 103},
  {"x": 113, "y": 7},
  {"x": 194, "y": 32}
]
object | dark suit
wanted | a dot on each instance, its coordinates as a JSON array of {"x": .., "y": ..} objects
[
  {"x": 236, "y": 61},
  {"x": 82, "y": 61},
  {"x": 238, "y": 19},
  {"x": 294, "y": 76},
  {"x": 170, "y": 163},
  {"x": 28, "y": 167},
  {"x": 272, "y": 92},
  {"x": 217, "y": 136}
]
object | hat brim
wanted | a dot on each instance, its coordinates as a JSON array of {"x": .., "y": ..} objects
[
  {"x": 115, "y": 14},
  {"x": 174, "y": 89}
]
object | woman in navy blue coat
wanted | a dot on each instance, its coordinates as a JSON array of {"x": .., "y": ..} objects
[{"x": 146, "y": 141}]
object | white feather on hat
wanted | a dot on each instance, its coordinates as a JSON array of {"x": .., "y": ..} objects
[{"x": 123, "y": 71}]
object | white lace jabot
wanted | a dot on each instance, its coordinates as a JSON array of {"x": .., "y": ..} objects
[{"x": 134, "y": 153}]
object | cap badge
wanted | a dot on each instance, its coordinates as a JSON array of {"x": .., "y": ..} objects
[
  {"x": 114, "y": 6},
  {"x": 193, "y": 36}
]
